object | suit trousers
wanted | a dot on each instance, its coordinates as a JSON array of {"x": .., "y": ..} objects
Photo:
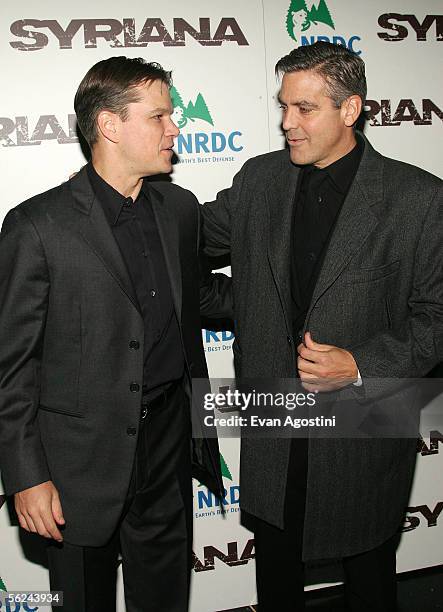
[
  {"x": 370, "y": 577},
  {"x": 154, "y": 535}
]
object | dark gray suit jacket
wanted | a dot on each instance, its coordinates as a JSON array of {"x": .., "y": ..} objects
[
  {"x": 379, "y": 294},
  {"x": 68, "y": 312}
]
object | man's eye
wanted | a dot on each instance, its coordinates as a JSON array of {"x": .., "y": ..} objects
[
  {"x": 305, "y": 110},
  {"x": 283, "y": 107},
  {"x": 157, "y": 117}
]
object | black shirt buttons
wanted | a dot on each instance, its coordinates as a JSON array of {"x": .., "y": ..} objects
[
  {"x": 131, "y": 431},
  {"x": 134, "y": 345},
  {"x": 134, "y": 387}
]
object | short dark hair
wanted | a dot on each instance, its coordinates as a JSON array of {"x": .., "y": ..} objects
[
  {"x": 342, "y": 70},
  {"x": 110, "y": 85}
]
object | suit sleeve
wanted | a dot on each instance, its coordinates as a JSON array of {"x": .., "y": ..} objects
[
  {"x": 216, "y": 300},
  {"x": 24, "y": 290},
  {"x": 220, "y": 214},
  {"x": 413, "y": 348}
]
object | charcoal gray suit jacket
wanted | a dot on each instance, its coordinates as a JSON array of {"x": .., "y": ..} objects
[
  {"x": 68, "y": 314},
  {"x": 379, "y": 295}
]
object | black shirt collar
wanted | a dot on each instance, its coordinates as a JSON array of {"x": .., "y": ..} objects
[
  {"x": 342, "y": 171},
  {"x": 112, "y": 201}
]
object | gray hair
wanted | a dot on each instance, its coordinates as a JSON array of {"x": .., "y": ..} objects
[{"x": 342, "y": 70}]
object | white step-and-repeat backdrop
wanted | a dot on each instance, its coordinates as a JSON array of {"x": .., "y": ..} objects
[{"x": 222, "y": 55}]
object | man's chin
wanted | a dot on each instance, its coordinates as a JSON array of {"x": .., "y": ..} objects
[
  {"x": 164, "y": 168},
  {"x": 298, "y": 158}
]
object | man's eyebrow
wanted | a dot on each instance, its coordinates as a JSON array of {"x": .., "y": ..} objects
[
  {"x": 160, "y": 110},
  {"x": 298, "y": 103}
]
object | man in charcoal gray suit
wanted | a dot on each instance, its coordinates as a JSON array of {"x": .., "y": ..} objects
[
  {"x": 337, "y": 267},
  {"x": 100, "y": 337}
]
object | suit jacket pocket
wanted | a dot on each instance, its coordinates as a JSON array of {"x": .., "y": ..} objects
[
  {"x": 62, "y": 411},
  {"x": 363, "y": 275}
]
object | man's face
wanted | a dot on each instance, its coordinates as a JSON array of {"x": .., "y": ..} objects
[
  {"x": 314, "y": 127},
  {"x": 147, "y": 136}
]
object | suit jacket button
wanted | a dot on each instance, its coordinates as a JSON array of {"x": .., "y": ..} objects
[
  {"x": 131, "y": 431},
  {"x": 134, "y": 387},
  {"x": 134, "y": 344}
]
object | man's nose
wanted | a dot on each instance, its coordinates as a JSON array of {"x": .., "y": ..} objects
[
  {"x": 290, "y": 120},
  {"x": 172, "y": 129}
]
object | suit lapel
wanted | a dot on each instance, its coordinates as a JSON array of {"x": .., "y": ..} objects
[
  {"x": 95, "y": 231},
  {"x": 355, "y": 222},
  {"x": 168, "y": 230},
  {"x": 280, "y": 199}
]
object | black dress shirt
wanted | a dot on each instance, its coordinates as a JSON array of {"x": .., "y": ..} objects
[
  {"x": 319, "y": 197},
  {"x": 135, "y": 230}
]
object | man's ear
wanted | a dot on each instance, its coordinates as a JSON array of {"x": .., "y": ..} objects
[
  {"x": 107, "y": 125},
  {"x": 351, "y": 109}
]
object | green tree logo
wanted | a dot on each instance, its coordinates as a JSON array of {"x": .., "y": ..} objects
[
  {"x": 2, "y": 585},
  {"x": 194, "y": 110},
  {"x": 299, "y": 18},
  {"x": 224, "y": 468}
]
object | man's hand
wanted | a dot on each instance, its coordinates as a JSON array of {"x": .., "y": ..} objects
[
  {"x": 323, "y": 367},
  {"x": 39, "y": 510}
]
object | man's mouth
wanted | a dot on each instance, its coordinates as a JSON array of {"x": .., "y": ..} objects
[{"x": 295, "y": 141}]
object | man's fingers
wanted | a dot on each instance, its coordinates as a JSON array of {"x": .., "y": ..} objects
[
  {"x": 23, "y": 523},
  {"x": 309, "y": 367},
  {"x": 51, "y": 527},
  {"x": 41, "y": 527},
  {"x": 307, "y": 376},
  {"x": 29, "y": 522},
  {"x": 309, "y": 354},
  {"x": 39, "y": 508},
  {"x": 315, "y": 346},
  {"x": 56, "y": 508},
  {"x": 310, "y": 387}
]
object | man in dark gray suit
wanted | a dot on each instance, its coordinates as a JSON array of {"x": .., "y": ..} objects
[
  {"x": 337, "y": 266},
  {"x": 100, "y": 335}
]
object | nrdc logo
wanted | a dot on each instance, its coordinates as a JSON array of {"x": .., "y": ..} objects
[
  {"x": 203, "y": 145},
  {"x": 217, "y": 341},
  {"x": 302, "y": 15}
]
